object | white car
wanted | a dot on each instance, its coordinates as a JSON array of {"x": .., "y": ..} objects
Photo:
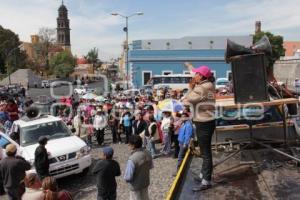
[
  {"x": 222, "y": 83},
  {"x": 132, "y": 92},
  {"x": 68, "y": 154},
  {"x": 45, "y": 84},
  {"x": 81, "y": 90}
]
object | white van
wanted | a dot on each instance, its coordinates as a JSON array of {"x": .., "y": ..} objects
[{"x": 68, "y": 153}]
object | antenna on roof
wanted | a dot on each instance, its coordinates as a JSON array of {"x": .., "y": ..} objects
[{"x": 62, "y": 2}]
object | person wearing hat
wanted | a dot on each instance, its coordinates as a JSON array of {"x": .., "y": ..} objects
[
  {"x": 12, "y": 173},
  {"x": 166, "y": 128},
  {"x": 202, "y": 97},
  {"x": 100, "y": 122},
  {"x": 185, "y": 134},
  {"x": 106, "y": 170},
  {"x": 41, "y": 160}
]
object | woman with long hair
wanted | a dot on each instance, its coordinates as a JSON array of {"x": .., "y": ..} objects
[
  {"x": 202, "y": 97},
  {"x": 50, "y": 189}
]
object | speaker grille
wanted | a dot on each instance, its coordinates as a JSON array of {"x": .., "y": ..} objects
[{"x": 249, "y": 79}]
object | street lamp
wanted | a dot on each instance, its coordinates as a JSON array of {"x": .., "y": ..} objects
[{"x": 127, "y": 46}]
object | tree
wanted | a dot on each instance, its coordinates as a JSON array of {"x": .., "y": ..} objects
[
  {"x": 92, "y": 57},
  {"x": 46, "y": 41},
  {"x": 62, "y": 64},
  {"x": 277, "y": 50},
  {"x": 11, "y": 56},
  {"x": 63, "y": 70},
  {"x": 276, "y": 43}
]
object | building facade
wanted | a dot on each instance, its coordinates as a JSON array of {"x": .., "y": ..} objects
[
  {"x": 291, "y": 48},
  {"x": 63, "y": 28},
  {"x": 167, "y": 56}
]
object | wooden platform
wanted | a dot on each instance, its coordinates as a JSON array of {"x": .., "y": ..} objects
[
  {"x": 229, "y": 103},
  {"x": 278, "y": 179}
]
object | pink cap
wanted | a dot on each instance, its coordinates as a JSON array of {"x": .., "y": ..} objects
[{"x": 203, "y": 70}]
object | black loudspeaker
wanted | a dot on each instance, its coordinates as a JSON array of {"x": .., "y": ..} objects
[{"x": 249, "y": 78}]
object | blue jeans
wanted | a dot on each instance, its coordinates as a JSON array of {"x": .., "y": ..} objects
[
  {"x": 151, "y": 146},
  {"x": 167, "y": 143},
  {"x": 89, "y": 140},
  {"x": 181, "y": 154}
]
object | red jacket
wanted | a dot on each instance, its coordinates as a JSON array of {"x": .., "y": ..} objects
[{"x": 13, "y": 111}]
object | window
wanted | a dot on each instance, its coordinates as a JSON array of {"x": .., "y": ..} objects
[
  {"x": 166, "y": 72},
  {"x": 166, "y": 80},
  {"x": 146, "y": 77},
  {"x": 3, "y": 142},
  {"x": 229, "y": 75},
  {"x": 214, "y": 73}
]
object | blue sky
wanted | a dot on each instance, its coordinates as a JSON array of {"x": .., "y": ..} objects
[{"x": 93, "y": 26}]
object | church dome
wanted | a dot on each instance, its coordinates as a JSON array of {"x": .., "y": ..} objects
[{"x": 81, "y": 61}]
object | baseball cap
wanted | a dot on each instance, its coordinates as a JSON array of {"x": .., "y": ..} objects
[
  {"x": 108, "y": 151},
  {"x": 203, "y": 70}
]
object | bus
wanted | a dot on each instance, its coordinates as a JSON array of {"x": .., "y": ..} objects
[{"x": 172, "y": 81}]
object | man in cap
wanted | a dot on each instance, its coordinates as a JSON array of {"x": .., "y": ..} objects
[
  {"x": 106, "y": 170},
  {"x": 41, "y": 160},
  {"x": 12, "y": 172}
]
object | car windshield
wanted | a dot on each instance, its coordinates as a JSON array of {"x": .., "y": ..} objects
[
  {"x": 3, "y": 142},
  {"x": 53, "y": 130},
  {"x": 222, "y": 83}
]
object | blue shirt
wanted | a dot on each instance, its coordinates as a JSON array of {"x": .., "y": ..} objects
[
  {"x": 127, "y": 120},
  {"x": 185, "y": 133},
  {"x": 129, "y": 171}
]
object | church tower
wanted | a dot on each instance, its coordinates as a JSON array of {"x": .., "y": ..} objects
[{"x": 63, "y": 28}]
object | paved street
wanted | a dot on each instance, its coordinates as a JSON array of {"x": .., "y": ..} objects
[
  {"x": 84, "y": 187},
  {"x": 63, "y": 90}
]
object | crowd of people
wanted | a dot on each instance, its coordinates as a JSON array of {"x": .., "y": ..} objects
[{"x": 137, "y": 121}]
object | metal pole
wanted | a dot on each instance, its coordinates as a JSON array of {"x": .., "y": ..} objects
[
  {"x": 127, "y": 49},
  {"x": 284, "y": 126},
  {"x": 9, "y": 81},
  {"x": 8, "y": 66},
  {"x": 278, "y": 151}
]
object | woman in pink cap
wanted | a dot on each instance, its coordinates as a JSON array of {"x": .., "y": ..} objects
[{"x": 202, "y": 97}]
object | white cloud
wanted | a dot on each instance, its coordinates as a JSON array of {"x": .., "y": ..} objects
[
  {"x": 88, "y": 29},
  {"x": 93, "y": 26}
]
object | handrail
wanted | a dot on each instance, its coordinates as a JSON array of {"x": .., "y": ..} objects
[{"x": 178, "y": 178}]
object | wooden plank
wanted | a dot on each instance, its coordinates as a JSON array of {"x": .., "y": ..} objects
[
  {"x": 229, "y": 103},
  {"x": 256, "y": 126}
]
